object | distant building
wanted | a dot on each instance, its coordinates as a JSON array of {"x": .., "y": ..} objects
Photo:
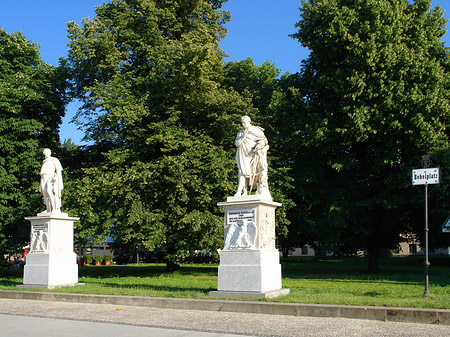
[
  {"x": 410, "y": 246},
  {"x": 306, "y": 250},
  {"x": 102, "y": 249}
]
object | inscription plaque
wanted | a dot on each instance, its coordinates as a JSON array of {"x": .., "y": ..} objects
[{"x": 237, "y": 215}]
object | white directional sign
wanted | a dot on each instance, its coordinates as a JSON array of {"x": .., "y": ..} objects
[
  {"x": 446, "y": 226},
  {"x": 426, "y": 176}
]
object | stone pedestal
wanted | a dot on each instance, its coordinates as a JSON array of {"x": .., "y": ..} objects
[
  {"x": 51, "y": 261},
  {"x": 249, "y": 263}
]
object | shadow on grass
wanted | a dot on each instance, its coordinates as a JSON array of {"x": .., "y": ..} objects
[
  {"x": 156, "y": 288},
  {"x": 120, "y": 271},
  {"x": 5, "y": 272},
  {"x": 107, "y": 273},
  {"x": 404, "y": 270},
  {"x": 146, "y": 270}
]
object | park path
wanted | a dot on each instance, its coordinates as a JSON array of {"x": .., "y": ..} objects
[{"x": 151, "y": 321}]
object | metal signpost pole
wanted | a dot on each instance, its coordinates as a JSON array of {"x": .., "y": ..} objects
[
  {"x": 426, "y": 176},
  {"x": 426, "y": 263}
]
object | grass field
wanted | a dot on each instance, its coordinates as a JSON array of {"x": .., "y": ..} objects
[{"x": 400, "y": 281}]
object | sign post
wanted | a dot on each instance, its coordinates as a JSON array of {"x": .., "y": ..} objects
[{"x": 426, "y": 176}]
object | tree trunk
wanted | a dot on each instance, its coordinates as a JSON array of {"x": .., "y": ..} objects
[
  {"x": 374, "y": 253},
  {"x": 172, "y": 266},
  {"x": 285, "y": 252}
]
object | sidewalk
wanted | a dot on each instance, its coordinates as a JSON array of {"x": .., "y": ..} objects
[
  {"x": 13, "y": 325},
  {"x": 385, "y": 314},
  {"x": 35, "y": 318}
]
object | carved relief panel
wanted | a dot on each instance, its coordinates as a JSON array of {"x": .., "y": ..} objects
[
  {"x": 240, "y": 229},
  {"x": 267, "y": 228},
  {"x": 39, "y": 238}
]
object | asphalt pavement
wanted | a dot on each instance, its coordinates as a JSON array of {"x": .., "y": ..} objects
[{"x": 32, "y": 318}]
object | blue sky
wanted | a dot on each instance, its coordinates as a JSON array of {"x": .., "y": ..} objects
[{"x": 259, "y": 29}]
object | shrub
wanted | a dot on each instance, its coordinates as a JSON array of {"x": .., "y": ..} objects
[
  {"x": 108, "y": 257},
  {"x": 98, "y": 258},
  {"x": 87, "y": 258}
]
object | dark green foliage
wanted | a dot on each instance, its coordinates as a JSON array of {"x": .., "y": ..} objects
[
  {"x": 375, "y": 89},
  {"x": 31, "y": 107}
]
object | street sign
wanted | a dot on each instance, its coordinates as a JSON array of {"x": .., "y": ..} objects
[
  {"x": 446, "y": 226},
  {"x": 426, "y": 176}
]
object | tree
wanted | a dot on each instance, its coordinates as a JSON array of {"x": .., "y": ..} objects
[
  {"x": 149, "y": 73},
  {"x": 285, "y": 107},
  {"x": 263, "y": 86},
  {"x": 31, "y": 105},
  {"x": 376, "y": 89}
]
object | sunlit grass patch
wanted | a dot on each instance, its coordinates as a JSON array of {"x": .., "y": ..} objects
[{"x": 325, "y": 281}]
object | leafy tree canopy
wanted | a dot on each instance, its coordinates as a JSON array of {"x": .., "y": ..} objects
[
  {"x": 149, "y": 73},
  {"x": 375, "y": 89},
  {"x": 31, "y": 107}
]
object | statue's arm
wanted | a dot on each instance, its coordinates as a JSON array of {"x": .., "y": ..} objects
[
  {"x": 262, "y": 140},
  {"x": 58, "y": 173},
  {"x": 240, "y": 138}
]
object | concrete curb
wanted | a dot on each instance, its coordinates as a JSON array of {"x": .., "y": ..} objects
[{"x": 406, "y": 315}]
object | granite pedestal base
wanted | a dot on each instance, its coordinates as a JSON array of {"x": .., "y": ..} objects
[{"x": 51, "y": 262}]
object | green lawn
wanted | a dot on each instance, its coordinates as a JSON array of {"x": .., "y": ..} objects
[{"x": 400, "y": 281}]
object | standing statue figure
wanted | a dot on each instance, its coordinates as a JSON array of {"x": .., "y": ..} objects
[
  {"x": 51, "y": 182},
  {"x": 251, "y": 158}
]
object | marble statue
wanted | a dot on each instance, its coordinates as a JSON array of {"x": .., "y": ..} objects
[
  {"x": 251, "y": 159},
  {"x": 51, "y": 182}
]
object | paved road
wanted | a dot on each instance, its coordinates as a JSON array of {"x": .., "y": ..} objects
[
  {"x": 41, "y": 318},
  {"x": 49, "y": 327}
]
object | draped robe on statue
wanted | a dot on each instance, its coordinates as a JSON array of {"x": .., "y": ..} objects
[
  {"x": 51, "y": 184},
  {"x": 251, "y": 156}
]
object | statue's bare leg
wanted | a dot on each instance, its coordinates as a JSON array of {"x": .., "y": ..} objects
[
  {"x": 51, "y": 198},
  {"x": 242, "y": 186}
]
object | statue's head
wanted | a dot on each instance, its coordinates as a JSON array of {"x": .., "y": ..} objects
[
  {"x": 246, "y": 121},
  {"x": 47, "y": 153}
]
